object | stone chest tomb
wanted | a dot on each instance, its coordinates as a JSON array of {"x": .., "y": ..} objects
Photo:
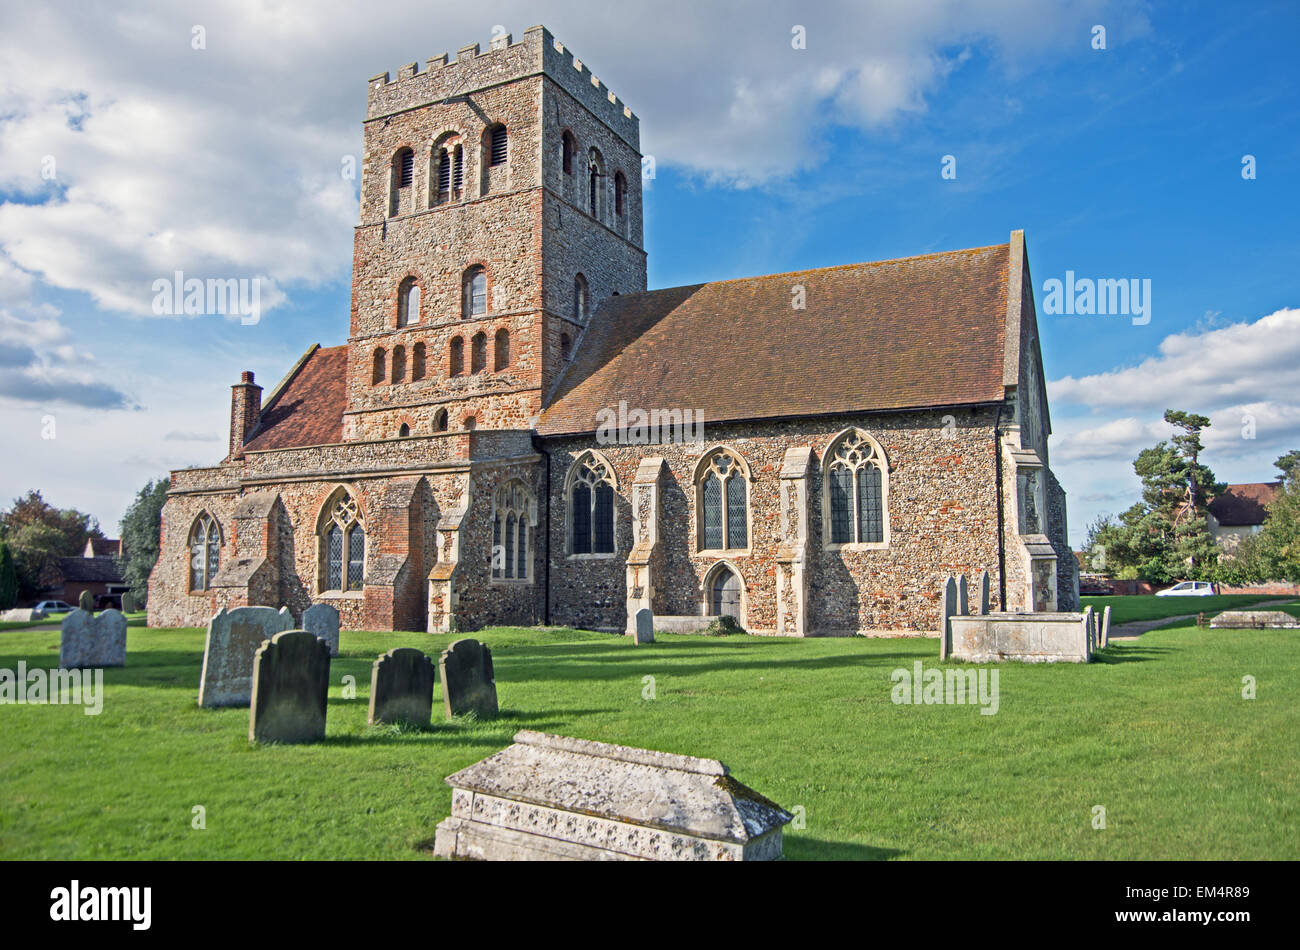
[{"x": 552, "y": 798}]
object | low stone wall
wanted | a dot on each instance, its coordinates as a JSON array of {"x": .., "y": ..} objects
[{"x": 1030, "y": 638}]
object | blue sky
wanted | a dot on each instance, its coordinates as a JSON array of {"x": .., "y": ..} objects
[{"x": 1118, "y": 163}]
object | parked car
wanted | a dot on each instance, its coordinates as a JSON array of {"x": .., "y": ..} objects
[
  {"x": 1188, "y": 589},
  {"x": 54, "y": 607}
]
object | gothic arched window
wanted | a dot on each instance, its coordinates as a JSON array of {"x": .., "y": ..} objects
[
  {"x": 205, "y": 551},
  {"x": 512, "y": 521},
  {"x": 722, "y": 492},
  {"x": 590, "y": 494},
  {"x": 342, "y": 539},
  {"x": 856, "y": 491}
]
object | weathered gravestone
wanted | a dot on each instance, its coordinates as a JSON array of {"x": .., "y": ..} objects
[
  {"x": 963, "y": 596},
  {"x": 947, "y": 608},
  {"x": 1105, "y": 627},
  {"x": 23, "y": 615},
  {"x": 984, "y": 592},
  {"x": 291, "y": 681},
  {"x": 233, "y": 639},
  {"x": 401, "y": 688},
  {"x": 88, "y": 641},
  {"x": 323, "y": 620},
  {"x": 555, "y": 798},
  {"x": 645, "y": 626},
  {"x": 468, "y": 682},
  {"x": 1090, "y": 628}
]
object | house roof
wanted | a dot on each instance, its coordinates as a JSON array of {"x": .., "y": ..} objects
[
  {"x": 911, "y": 333},
  {"x": 1244, "y": 505},
  {"x": 102, "y": 547},
  {"x": 90, "y": 570},
  {"x": 307, "y": 408}
]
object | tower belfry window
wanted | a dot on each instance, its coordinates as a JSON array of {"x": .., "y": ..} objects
[
  {"x": 499, "y": 147},
  {"x": 406, "y": 173}
]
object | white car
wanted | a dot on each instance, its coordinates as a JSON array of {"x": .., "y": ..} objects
[{"x": 1189, "y": 589}]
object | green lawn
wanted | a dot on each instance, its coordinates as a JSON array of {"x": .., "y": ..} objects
[
  {"x": 1151, "y": 607},
  {"x": 1157, "y": 732}
]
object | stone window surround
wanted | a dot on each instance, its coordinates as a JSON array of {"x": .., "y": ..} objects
[
  {"x": 466, "y": 304},
  {"x": 697, "y": 480},
  {"x": 598, "y": 460},
  {"x": 882, "y": 462},
  {"x": 529, "y": 513},
  {"x": 189, "y": 553},
  {"x": 398, "y": 303},
  {"x": 393, "y": 172},
  {"x": 449, "y": 138},
  {"x": 324, "y": 519}
]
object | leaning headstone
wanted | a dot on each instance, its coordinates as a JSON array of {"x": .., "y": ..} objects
[
  {"x": 963, "y": 597},
  {"x": 401, "y": 688},
  {"x": 947, "y": 607},
  {"x": 323, "y": 620},
  {"x": 1105, "y": 627},
  {"x": 468, "y": 682},
  {"x": 984, "y": 593},
  {"x": 87, "y": 641},
  {"x": 291, "y": 681},
  {"x": 645, "y": 626},
  {"x": 233, "y": 639},
  {"x": 553, "y": 798},
  {"x": 1090, "y": 627}
]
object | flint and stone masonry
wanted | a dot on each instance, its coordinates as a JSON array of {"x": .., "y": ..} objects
[{"x": 453, "y": 465}]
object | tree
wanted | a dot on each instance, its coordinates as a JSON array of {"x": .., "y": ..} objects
[
  {"x": 1165, "y": 536},
  {"x": 39, "y": 534},
  {"x": 8, "y": 578},
  {"x": 141, "y": 529}
]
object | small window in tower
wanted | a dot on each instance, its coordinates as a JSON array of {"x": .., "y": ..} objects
[
  {"x": 569, "y": 146},
  {"x": 408, "y": 302},
  {"x": 579, "y": 298},
  {"x": 399, "y": 364},
  {"x": 457, "y": 357},
  {"x": 407, "y": 172},
  {"x": 440, "y": 421},
  {"x": 444, "y": 175},
  {"x": 501, "y": 350},
  {"x": 498, "y": 153},
  {"x": 417, "y": 362},
  {"x": 457, "y": 169},
  {"x": 475, "y": 292},
  {"x": 377, "y": 374},
  {"x": 620, "y": 194},
  {"x": 404, "y": 431}
]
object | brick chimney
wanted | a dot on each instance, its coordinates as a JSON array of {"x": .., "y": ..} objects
[{"x": 245, "y": 407}]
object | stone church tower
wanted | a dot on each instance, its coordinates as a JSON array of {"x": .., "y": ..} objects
[{"x": 450, "y": 466}]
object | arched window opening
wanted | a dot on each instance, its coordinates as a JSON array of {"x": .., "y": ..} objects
[
  {"x": 343, "y": 540},
  {"x": 512, "y": 517},
  {"x": 399, "y": 364},
  {"x": 404, "y": 431},
  {"x": 377, "y": 372},
  {"x": 498, "y": 152},
  {"x": 855, "y": 489},
  {"x": 417, "y": 362},
  {"x": 475, "y": 292},
  {"x": 440, "y": 421},
  {"x": 580, "y": 299},
  {"x": 408, "y": 302},
  {"x": 569, "y": 145},
  {"x": 205, "y": 552},
  {"x": 403, "y": 173},
  {"x": 591, "y": 505},
  {"x": 723, "y": 492},
  {"x": 456, "y": 357},
  {"x": 620, "y": 194},
  {"x": 478, "y": 353},
  {"x": 596, "y": 184},
  {"x": 501, "y": 350}
]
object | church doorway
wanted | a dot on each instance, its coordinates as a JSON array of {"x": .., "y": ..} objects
[{"x": 724, "y": 597}]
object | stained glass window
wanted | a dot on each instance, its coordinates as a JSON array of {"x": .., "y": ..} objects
[
  {"x": 856, "y": 491},
  {"x": 724, "y": 504},
  {"x": 345, "y": 545},
  {"x": 205, "y": 552},
  {"x": 712, "y": 512}
]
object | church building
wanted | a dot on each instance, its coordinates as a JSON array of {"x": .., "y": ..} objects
[{"x": 518, "y": 432}]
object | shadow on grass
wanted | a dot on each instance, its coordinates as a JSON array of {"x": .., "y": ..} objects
[
  {"x": 1115, "y": 654},
  {"x": 802, "y": 848}
]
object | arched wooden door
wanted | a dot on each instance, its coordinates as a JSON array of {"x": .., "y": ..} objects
[{"x": 724, "y": 598}]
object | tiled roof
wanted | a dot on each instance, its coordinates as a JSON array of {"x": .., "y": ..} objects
[
  {"x": 909, "y": 333},
  {"x": 102, "y": 547},
  {"x": 1244, "y": 505},
  {"x": 88, "y": 570},
  {"x": 309, "y": 409}
]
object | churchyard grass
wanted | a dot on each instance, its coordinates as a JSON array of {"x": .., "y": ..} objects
[
  {"x": 1151, "y": 607},
  {"x": 1156, "y": 732}
]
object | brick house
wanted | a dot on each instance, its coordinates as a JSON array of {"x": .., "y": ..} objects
[
  {"x": 827, "y": 445},
  {"x": 1239, "y": 511},
  {"x": 98, "y": 570}
]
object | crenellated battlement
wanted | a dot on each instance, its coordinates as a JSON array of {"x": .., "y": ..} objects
[{"x": 473, "y": 69}]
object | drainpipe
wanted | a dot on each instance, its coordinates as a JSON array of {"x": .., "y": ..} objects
[
  {"x": 546, "y": 533},
  {"x": 1002, "y": 540}
]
